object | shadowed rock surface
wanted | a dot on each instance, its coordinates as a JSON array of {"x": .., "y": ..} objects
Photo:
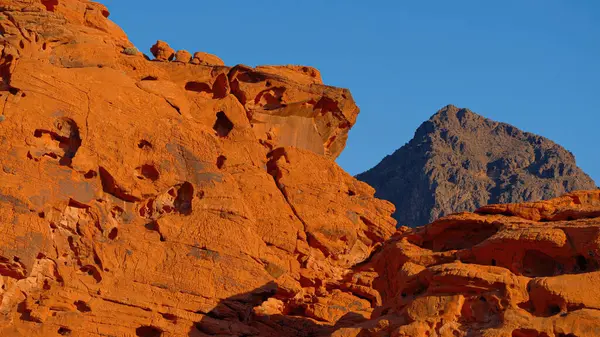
[
  {"x": 179, "y": 197},
  {"x": 459, "y": 161}
]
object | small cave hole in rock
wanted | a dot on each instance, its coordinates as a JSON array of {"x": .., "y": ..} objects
[
  {"x": 528, "y": 333},
  {"x": 198, "y": 87},
  {"x": 148, "y": 171},
  {"x": 50, "y": 4},
  {"x": 82, "y": 306},
  {"x": 150, "y": 78},
  {"x": 222, "y": 125},
  {"x": 67, "y": 134},
  {"x": 148, "y": 331},
  {"x": 581, "y": 262},
  {"x": 144, "y": 144},
  {"x": 554, "y": 310},
  {"x": 538, "y": 264},
  {"x": 493, "y": 263},
  {"x": 183, "y": 201},
  {"x": 351, "y": 193},
  {"x": 220, "y": 86},
  {"x": 22, "y": 44},
  {"x": 113, "y": 233},
  {"x": 221, "y": 161},
  {"x": 93, "y": 272},
  {"x": 91, "y": 174},
  {"x": 153, "y": 226},
  {"x": 64, "y": 331},
  {"x": 170, "y": 317}
]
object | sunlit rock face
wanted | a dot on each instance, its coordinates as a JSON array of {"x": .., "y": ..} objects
[{"x": 180, "y": 197}]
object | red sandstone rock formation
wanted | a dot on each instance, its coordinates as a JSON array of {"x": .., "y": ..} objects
[
  {"x": 175, "y": 198},
  {"x": 137, "y": 196},
  {"x": 517, "y": 270}
]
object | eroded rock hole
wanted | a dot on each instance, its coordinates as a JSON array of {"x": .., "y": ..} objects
[
  {"x": 153, "y": 226},
  {"x": 223, "y": 125},
  {"x": 198, "y": 87},
  {"x": 110, "y": 186},
  {"x": 271, "y": 98},
  {"x": 220, "y": 87},
  {"x": 581, "y": 263},
  {"x": 91, "y": 174},
  {"x": 221, "y": 161},
  {"x": 150, "y": 78},
  {"x": 528, "y": 333},
  {"x": 183, "y": 201},
  {"x": 82, "y": 306},
  {"x": 148, "y": 171},
  {"x": 144, "y": 144},
  {"x": 113, "y": 233},
  {"x": 538, "y": 264},
  {"x": 170, "y": 317},
  {"x": 326, "y": 105},
  {"x": 64, "y": 331},
  {"x": 70, "y": 140},
  {"x": 50, "y": 4},
  {"x": 554, "y": 310},
  {"x": 66, "y": 134},
  {"x": 93, "y": 272},
  {"x": 148, "y": 331}
]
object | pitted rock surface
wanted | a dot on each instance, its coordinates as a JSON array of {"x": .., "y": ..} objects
[{"x": 177, "y": 197}]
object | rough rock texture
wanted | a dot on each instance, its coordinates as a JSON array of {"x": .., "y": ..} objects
[
  {"x": 459, "y": 161},
  {"x": 148, "y": 198},
  {"x": 519, "y": 270},
  {"x": 141, "y": 198}
]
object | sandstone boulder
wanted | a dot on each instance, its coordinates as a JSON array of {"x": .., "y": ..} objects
[
  {"x": 207, "y": 59},
  {"x": 162, "y": 51}
]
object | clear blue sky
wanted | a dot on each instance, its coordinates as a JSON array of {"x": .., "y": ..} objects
[{"x": 531, "y": 63}]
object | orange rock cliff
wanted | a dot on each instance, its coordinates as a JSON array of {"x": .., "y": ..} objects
[{"x": 181, "y": 197}]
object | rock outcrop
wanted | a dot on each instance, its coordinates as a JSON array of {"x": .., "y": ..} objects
[
  {"x": 459, "y": 161},
  {"x": 518, "y": 270},
  {"x": 163, "y": 197},
  {"x": 170, "y": 198}
]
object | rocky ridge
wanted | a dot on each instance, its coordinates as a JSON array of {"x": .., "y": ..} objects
[
  {"x": 459, "y": 161},
  {"x": 181, "y": 197}
]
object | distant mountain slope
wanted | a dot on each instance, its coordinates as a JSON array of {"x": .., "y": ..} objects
[{"x": 459, "y": 161}]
